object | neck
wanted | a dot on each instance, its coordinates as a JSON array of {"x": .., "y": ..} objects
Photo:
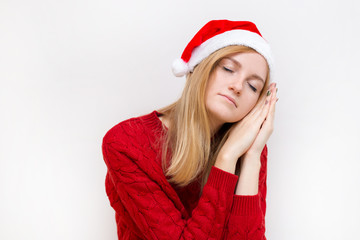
[{"x": 214, "y": 126}]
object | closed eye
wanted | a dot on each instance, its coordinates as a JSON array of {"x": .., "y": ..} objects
[
  {"x": 228, "y": 69},
  {"x": 252, "y": 87}
]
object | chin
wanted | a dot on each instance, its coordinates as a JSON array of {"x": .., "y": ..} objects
[{"x": 223, "y": 115}]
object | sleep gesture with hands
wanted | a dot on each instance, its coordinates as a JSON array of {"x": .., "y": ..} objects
[
  {"x": 249, "y": 136},
  {"x": 266, "y": 128}
]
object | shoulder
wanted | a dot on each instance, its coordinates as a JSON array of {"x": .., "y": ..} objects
[
  {"x": 134, "y": 131},
  {"x": 132, "y": 141},
  {"x": 122, "y": 131}
]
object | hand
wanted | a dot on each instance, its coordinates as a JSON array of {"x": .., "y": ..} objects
[
  {"x": 243, "y": 133},
  {"x": 266, "y": 128}
]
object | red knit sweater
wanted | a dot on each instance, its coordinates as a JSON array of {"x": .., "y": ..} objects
[{"x": 148, "y": 207}]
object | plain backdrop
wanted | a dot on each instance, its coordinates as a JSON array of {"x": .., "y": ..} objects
[{"x": 70, "y": 70}]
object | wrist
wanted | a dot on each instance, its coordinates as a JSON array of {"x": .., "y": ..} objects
[
  {"x": 252, "y": 155},
  {"x": 253, "y": 152},
  {"x": 249, "y": 175},
  {"x": 251, "y": 160},
  {"x": 225, "y": 164}
]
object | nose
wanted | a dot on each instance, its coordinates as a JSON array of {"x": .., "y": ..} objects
[{"x": 236, "y": 86}]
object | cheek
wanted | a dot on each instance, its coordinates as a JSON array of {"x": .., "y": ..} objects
[
  {"x": 210, "y": 89},
  {"x": 253, "y": 103},
  {"x": 207, "y": 93},
  {"x": 247, "y": 106},
  {"x": 209, "y": 85}
]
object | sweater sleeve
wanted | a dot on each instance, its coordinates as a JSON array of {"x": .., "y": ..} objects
[
  {"x": 247, "y": 216},
  {"x": 152, "y": 210}
]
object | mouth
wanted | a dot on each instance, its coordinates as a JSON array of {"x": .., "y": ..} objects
[{"x": 230, "y": 99}]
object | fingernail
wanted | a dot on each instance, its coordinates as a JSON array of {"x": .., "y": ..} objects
[
  {"x": 277, "y": 99},
  {"x": 266, "y": 102},
  {"x": 276, "y": 89},
  {"x": 268, "y": 93}
]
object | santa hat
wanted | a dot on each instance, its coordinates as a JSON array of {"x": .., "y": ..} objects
[{"x": 218, "y": 34}]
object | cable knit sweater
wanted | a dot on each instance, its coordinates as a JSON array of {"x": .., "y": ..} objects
[{"x": 147, "y": 206}]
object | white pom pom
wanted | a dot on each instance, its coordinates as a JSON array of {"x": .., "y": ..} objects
[{"x": 179, "y": 67}]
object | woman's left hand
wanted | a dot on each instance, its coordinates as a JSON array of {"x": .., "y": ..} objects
[{"x": 266, "y": 128}]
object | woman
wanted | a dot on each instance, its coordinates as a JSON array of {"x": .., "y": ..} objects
[{"x": 196, "y": 169}]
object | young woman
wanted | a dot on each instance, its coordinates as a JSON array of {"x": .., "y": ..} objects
[{"x": 196, "y": 169}]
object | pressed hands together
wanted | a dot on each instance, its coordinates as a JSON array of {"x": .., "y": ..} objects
[{"x": 246, "y": 141}]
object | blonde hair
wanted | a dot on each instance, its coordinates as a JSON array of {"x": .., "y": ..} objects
[{"x": 193, "y": 148}]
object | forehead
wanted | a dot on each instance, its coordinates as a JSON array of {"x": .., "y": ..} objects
[{"x": 252, "y": 61}]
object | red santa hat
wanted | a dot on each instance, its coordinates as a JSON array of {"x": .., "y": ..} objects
[{"x": 218, "y": 34}]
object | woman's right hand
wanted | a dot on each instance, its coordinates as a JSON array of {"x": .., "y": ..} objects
[{"x": 243, "y": 133}]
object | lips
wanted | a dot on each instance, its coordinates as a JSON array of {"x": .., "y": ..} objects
[{"x": 230, "y": 98}]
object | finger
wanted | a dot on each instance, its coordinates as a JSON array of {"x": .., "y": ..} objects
[
  {"x": 259, "y": 105},
  {"x": 275, "y": 93},
  {"x": 267, "y": 107},
  {"x": 260, "y": 114},
  {"x": 268, "y": 124},
  {"x": 272, "y": 108},
  {"x": 269, "y": 121},
  {"x": 273, "y": 101}
]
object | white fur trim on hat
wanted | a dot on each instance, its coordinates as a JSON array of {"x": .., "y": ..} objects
[{"x": 232, "y": 37}]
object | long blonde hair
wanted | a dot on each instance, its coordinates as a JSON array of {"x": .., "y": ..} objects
[{"x": 193, "y": 147}]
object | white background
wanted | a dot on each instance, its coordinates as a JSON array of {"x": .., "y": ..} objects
[{"x": 70, "y": 70}]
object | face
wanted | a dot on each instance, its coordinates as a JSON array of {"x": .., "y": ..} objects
[{"x": 234, "y": 87}]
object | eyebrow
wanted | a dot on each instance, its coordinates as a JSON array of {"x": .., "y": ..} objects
[{"x": 255, "y": 76}]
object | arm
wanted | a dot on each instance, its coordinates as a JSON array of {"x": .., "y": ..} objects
[
  {"x": 247, "y": 217},
  {"x": 154, "y": 213}
]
